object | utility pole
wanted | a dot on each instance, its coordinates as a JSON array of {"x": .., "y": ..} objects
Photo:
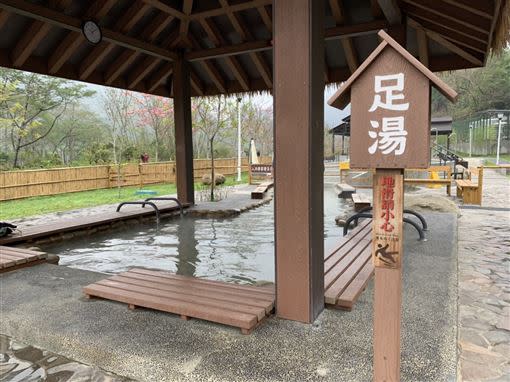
[
  {"x": 470, "y": 138},
  {"x": 239, "y": 164},
  {"x": 500, "y": 118}
]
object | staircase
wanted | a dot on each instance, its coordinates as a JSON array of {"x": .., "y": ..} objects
[{"x": 447, "y": 156}]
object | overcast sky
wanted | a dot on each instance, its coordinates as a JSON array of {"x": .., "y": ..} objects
[{"x": 332, "y": 116}]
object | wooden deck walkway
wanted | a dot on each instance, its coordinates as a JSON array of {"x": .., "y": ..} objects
[
  {"x": 15, "y": 258},
  {"x": 75, "y": 224},
  {"x": 348, "y": 267},
  {"x": 225, "y": 303}
]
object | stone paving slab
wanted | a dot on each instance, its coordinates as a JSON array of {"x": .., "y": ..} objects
[{"x": 484, "y": 285}]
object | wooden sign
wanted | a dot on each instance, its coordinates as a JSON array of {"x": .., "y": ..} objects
[
  {"x": 387, "y": 224},
  {"x": 390, "y": 122},
  {"x": 390, "y": 108}
]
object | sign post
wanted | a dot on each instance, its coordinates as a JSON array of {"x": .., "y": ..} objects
[{"x": 390, "y": 131}]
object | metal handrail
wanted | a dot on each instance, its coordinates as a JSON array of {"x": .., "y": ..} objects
[
  {"x": 143, "y": 205},
  {"x": 166, "y": 198},
  {"x": 369, "y": 215},
  {"x": 406, "y": 211}
]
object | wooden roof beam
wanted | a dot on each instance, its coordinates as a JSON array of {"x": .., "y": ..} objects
[
  {"x": 157, "y": 26},
  {"x": 231, "y": 8},
  {"x": 347, "y": 44},
  {"x": 391, "y": 11},
  {"x": 445, "y": 24},
  {"x": 232, "y": 62},
  {"x": 196, "y": 83},
  {"x": 62, "y": 20},
  {"x": 150, "y": 33},
  {"x": 448, "y": 12},
  {"x": 266, "y": 18},
  {"x": 35, "y": 33},
  {"x": 120, "y": 65},
  {"x": 246, "y": 34},
  {"x": 211, "y": 70},
  {"x": 459, "y": 38},
  {"x": 228, "y": 50},
  {"x": 73, "y": 40},
  {"x": 423, "y": 46},
  {"x": 447, "y": 44},
  {"x": 28, "y": 42},
  {"x": 159, "y": 77},
  {"x": 479, "y": 8},
  {"x": 165, "y": 8},
  {"x": 141, "y": 71},
  {"x": 260, "y": 45},
  {"x": 129, "y": 19},
  {"x": 4, "y": 16}
]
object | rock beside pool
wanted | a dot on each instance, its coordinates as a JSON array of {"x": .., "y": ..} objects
[
  {"x": 264, "y": 283},
  {"x": 341, "y": 219},
  {"x": 219, "y": 179},
  {"x": 52, "y": 259},
  {"x": 430, "y": 203}
]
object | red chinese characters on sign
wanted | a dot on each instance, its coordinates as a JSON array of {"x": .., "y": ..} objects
[
  {"x": 387, "y": 230},
  {"x": 388, "y": 203}
]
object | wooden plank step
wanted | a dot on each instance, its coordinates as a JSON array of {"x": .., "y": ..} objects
[
  {"x": 196, "y": 289},
  {"x": 344, "y": 263},
  {"x": 350, "y": 295},
  {"x": 360, "y": 201},
  {"x": 22, "y": 250},
  {"x": 340, "y": 284},
  {"x": 248, "y": 289},
  {"x": 25, "y": 255},
  {"x": 344, "y": 190},
  {"x": 261, "y": 189},
  {"x": 184, "y": 296},
  {"x": 14, "y": 258},
  {"x": 333, "y": 260},
  {"x": 229, "y": 304},
  {"x": 233, "y": 318},
  {"x": 361, "y": 229}
]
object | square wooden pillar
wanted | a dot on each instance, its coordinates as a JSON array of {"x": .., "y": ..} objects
[
  {"x": 183, "y": 132},
  {"x": 299, "y": 158}
]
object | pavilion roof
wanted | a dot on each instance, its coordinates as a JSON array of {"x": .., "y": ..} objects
[{"x": 229, "y": 42}]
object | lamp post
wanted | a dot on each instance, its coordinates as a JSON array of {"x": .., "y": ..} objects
[
  {"x": 470, "y": 138},
  {"x": 500, "y": 118},
  {"x": 239, "y": 139}
]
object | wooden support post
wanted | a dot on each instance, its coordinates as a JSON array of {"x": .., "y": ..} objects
[
  {"x": 183, "y": 132},
  {"x": 387, "y": 256},
  {"x": 299, "y": 158}
]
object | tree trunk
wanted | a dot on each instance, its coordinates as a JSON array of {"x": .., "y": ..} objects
[
  {"x": 213, "y": 180},
  {"x": 16, "y": 157}
]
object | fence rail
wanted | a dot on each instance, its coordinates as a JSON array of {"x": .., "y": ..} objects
[{"x": 28, "y": 183}]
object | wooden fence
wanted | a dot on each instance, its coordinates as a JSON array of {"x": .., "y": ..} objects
[{"x": 28, "y": 183}]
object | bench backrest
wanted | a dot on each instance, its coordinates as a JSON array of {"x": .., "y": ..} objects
[
  {"x": 478, "y": 173},
  {"x": 447, "y": 170}
]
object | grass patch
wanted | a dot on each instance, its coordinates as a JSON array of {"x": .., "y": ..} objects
[{"x": 20, "y": 208}]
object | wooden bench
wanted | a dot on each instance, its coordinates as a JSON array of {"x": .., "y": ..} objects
[
  {"x": 348, "y": 267},
  {"x": 344, "y": 190},
  {"x": 360, "y": 202},
  {"x": 468, "y": 190},
  {"x": 235, "y": 305},
  {"x": 12, "y": 258},
  {"x": 261, "y": 190},
  {"x": 445, "y": 181}
]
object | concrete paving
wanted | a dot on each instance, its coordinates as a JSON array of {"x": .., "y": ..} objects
[{"x": 44, "y": 306}]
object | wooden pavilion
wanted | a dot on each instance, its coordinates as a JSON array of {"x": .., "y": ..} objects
[{"x": 186, "y": 48}]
